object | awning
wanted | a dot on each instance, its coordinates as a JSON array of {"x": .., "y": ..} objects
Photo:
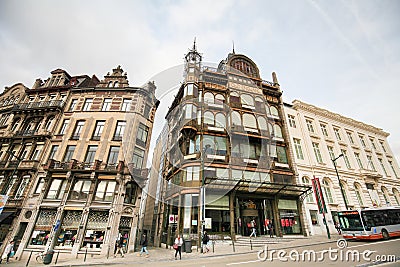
[
  {"x": 257, "y": 187},
  {"x": 5, "y": 215}
]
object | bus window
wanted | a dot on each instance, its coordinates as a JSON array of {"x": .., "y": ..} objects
[{"x": 351, "y": 222}]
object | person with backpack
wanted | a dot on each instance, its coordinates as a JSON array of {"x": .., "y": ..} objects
[
  {"x": 119, "y": 244},
  {"x": 8, "y": 252},
  {"x": 205, "y": 240},
  {"x": 178, "y": 247},
  {"x": 253, "y": 228}
]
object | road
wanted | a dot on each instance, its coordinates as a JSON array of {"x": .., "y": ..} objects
[{"x": 355, "y": 254}]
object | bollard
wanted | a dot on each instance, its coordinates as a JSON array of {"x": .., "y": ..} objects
[
  {"x": 251, "y": 245},
  {"x": 213, "y": 243},
  {"x": 29, "y": 258},
  {"x": 233, "y": 246},
  {"x": 84, "y": 259},
  {"x": 58, "y": 253}
]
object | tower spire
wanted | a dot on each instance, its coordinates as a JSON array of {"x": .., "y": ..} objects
[
  {"x": 194, "y": 44},
  {"x": 233, "y": 47}
]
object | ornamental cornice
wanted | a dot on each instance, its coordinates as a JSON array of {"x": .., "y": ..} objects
[{"x": 297, "y": 104}]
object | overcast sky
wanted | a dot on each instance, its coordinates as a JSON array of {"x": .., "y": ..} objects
[{"x": 343, "y": 56}]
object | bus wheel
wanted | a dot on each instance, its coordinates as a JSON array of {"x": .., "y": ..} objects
[{"x": 385, "y": 234}]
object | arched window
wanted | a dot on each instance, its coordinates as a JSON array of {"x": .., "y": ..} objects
[
  {"x": 274, "y": 111},
  {"x": 310, "y": 196},
  {"x": 359, "y": 194},
  {"x": 209, "y": 98},
  {"x": 249, "y": 121},
  {"x": 234, "y": 97},
  {"x": 262, "y": 123},
  {"x": 49, "y": 123},
  {"x": 236, "y": 119},
  {"x": 278, "y": 131},
  {"x": 220, "y": 120},
  {"x": 270, "y": 129},
  {"x": 386, "y": 195},
  {"x": 116, "y": 84},
  {"x": 259, "y": 103},
  {"x": 209, "y": 118},
  {"x": 396, "y": 195},
  {"x": 109, "y": 84},
  {"x": 219, "y": 99},
  {"x": 328, "y": 191},
  {"x": 345, "y": 192},
  {"x": 247, "y": 100},
  {"x": 15, "y": 124},
  {"x": 16, "y": 99}
]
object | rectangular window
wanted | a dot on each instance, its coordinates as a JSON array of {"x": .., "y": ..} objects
[
  {"x": 78, "y": 130},
  {"x": 357, "y": 156},
  {"x": 56, "y": 189},
  {"x": 337, "y": 134},
  {"x": 141, "y": 138},
  {"x": 317, "y": 152},
  {"x": 146, "y": 112},
  {"x": 36, "y": 152},
  {"x": 191, "y": 174},
  {"x": 350, "y": 136},
  {"x": 138, "y": 155},
  {"x": 362, "y": 140},
  {"x": 39, "y": 186},
  {"x": 314, "y": 217},
  {"x": 106, "y": 104},
  {"x": 90, "y": 153},
  {"x": 113, "y": 155},
  {"x": 297, "y": 147},
  {"x": 98, "y": 130},
  {"x": 346, "y": 159},
  {"x": 126, "y": 104},
  {"x": 392, "y": 167},
  {"x": 105, "y": 191},
  {"x": 370, "y": 164},
  {"x": 382, "y": 166},
  {"x": 372, "y": 143},
  {"x": 80, "y": 190},
  {"x": 64, "y": 126},
  {"x": 119, "y": 131},
  {"x": 69, "y": 153},
  {"x": 383, "y": 146},
  {"x": 324, "y": 130},
  {"x": 22, "y": 186},
  {"x": 331, "y": 152},
  {"x": 73, "y": 104},
  {"x": 281, "y": 153},
  {"x": 292, "y": 121},
  {"x": 53, "y": 151},
  {"x": 88, "y": 104},
  {"x": 310, "y": 126}
]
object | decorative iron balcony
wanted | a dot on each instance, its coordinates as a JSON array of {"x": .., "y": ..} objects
[{"x": 39, "y": 105}]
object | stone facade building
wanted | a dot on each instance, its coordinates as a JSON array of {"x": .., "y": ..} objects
[
  {"x": 85, "y": 190},
  {"x": 367, "y": 169}
]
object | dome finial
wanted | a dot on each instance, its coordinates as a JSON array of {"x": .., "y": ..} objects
[{"x": 233, "y": 47}]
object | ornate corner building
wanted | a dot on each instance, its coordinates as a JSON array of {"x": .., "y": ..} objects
[
  {"x": 73, "y": 161},
  {"x": 228, "y": 160}
]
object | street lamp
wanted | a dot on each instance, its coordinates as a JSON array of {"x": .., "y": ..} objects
[{"x": 340, "y": 184}]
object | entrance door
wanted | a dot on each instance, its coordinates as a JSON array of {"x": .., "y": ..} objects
[{"x": 259, "y": 210}]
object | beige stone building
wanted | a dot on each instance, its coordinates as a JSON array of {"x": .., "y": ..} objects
[
  {"x": 367, "y": 169},
  {"x": 86, "y": 191}
]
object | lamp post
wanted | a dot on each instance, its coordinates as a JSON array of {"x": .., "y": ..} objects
[{"x": 340, "y": 184}]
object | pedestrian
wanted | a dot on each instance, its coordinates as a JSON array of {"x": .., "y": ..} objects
[
  {"x": 206, "y": 239},
  {"x": 144, "y": 242},
  {"x": 178, "y": 246},
  {"x": 338, "y": 227},
  {"x": 119, "y": 244},
  {"x": 253, "y": 228},
  {"x": 8, "y": 252},
  {"x": 271, "y": 229}
]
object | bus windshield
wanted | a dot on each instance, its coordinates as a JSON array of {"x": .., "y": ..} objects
[{"x": 350, "y": 221}]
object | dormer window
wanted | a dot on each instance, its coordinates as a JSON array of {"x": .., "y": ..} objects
[{"x": 116, "y": 84}]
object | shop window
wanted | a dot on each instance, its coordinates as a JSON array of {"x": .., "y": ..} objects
[
  {"x": 44, "y": 223},
  {"x": 80, "y": 190},
  {"x": 69, "y": 228},
  {"x": 105, "y": 191},
  {"x": 95, "y": 229}
]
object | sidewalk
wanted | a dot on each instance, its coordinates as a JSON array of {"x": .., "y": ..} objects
[{"x": 221, "y": 248}]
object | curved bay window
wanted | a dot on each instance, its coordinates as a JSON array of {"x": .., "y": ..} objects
[
  {"x": 262, "y": 123},
  {"x": 220, "y": 120},
  {"x": 41, "y": 232},
  {"x": 214, "y": 145},
  {"x": 249, "y": 121},
  {"x": 274, "y": 111},
  {"x": 236, "y": 118},
  {"x": 95, "y": 229},
  {"x": 69, "y": 228},
  {"x": 247, "y": 100}
]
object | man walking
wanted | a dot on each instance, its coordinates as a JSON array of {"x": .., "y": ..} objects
[
  {"x": 206, "y": 238},
  {"x": 119, "y": 244},
  {"x": 144, "y": 243},
  {"x": 253, "y": 228}
]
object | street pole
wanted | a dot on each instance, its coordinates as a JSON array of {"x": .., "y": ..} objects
[
  {"x": 340, "y": 184},
  {"x": 202, "y": 189}
]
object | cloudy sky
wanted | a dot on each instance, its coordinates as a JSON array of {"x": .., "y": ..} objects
[{"x": 343, "y": 56}]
